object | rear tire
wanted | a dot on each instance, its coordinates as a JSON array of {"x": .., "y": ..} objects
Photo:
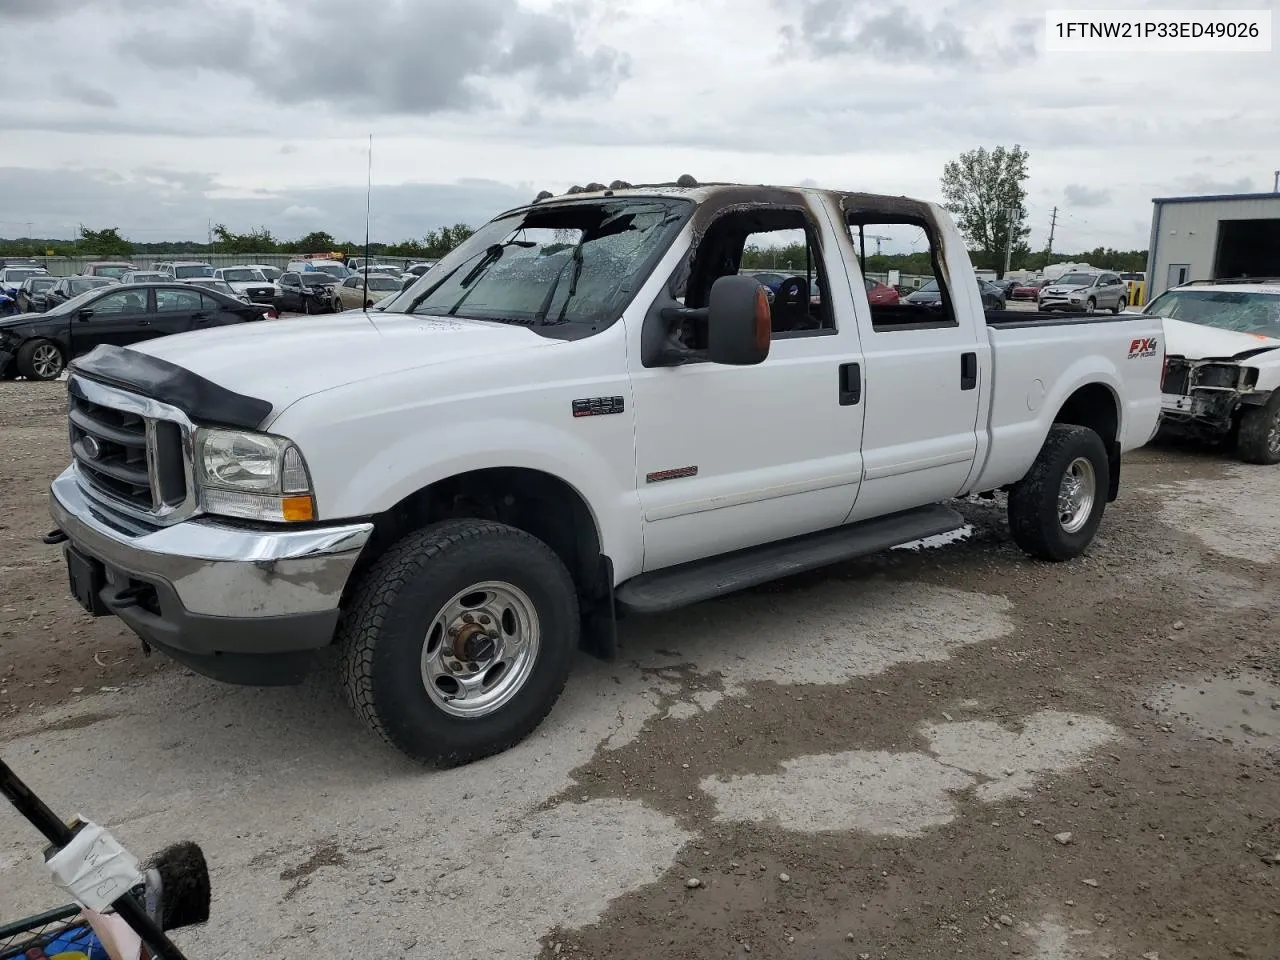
[
  {"x": 1054, "y": 511},
  {"x": 41, "y": 360},
  {"x": 1259, "y": 438},
  {"x": 1120, "y": 305},
  {"x": 401, "y": 670}
]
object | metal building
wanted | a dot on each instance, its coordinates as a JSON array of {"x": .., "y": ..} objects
[{"x": 1213, "y": 238}]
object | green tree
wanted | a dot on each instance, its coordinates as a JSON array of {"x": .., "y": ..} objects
[
  {"x": 106, "y": 242},
  {"x": 980, "y": 188},
  {"x": 255, "y": 241},
  {"x": 317, "y": 241}
]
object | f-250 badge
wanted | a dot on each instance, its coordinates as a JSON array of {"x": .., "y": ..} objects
[{"x": 1143, "y": 347}]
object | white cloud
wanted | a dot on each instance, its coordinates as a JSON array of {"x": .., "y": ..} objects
[{"x": 525, "y": 94}]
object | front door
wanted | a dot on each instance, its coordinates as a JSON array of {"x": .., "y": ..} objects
[
  {"x": 119, "y": 318},
  {"x": 730, "y": 457}
]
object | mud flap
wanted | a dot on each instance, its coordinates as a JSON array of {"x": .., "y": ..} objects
[
  {"x": 1113, "y": 460},
  {"x": 599, "y": 636}
]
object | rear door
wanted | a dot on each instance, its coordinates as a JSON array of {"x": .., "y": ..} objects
[
  {"x": 926, "y": 367},
  {"x": 176, "y": 309},
  {"x": 118, "y": 318}
]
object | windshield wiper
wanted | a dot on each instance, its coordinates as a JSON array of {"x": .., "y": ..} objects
[
  {"x": 575, "y": 261},
  {"x": 491, "y": 256}
]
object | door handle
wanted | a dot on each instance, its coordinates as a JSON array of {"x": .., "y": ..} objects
[
  {"x": 144, "y": 323},
  {"x": 968, "y": 371},
  {"x": 850, "y": 384}
]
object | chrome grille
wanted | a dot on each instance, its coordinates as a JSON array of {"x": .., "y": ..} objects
[{"x": 131, "y": 452}]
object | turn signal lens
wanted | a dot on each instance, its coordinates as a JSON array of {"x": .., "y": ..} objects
[{"x": 297, "y": 509}]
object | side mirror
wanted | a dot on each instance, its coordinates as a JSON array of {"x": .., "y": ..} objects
[
  {"x": 739, "y": 322},
  {"x": 84, "y": 315}
]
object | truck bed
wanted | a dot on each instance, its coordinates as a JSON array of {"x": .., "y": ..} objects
[{"x": 1020, "y": 318}]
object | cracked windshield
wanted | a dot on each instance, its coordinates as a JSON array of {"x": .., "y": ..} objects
[{"x": 577, "y": 262}]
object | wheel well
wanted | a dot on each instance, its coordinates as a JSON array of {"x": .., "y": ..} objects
[
  {"x": 1094, "y": 406},
  {"x": 538, "y": 503}
]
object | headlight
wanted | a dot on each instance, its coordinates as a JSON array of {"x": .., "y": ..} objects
[{"x": 252, "y": 475}]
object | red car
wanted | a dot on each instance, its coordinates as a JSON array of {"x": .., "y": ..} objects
[
  {"x": 881, "y": 294},
  {"x": 1027, "y": 291},
  {"x": 878, "y": 294}
]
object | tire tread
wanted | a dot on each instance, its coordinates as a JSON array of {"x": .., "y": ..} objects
[{"x": 365, "y": 616}]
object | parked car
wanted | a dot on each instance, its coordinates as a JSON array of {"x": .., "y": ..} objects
[
  {"x": 39, "y": 345},
  {"x": 1222, "y": 370},
  {"x": 267, "y": 270},
  {"x": 249, "y": 282},
  {"x": 339, "y": 271},
  {"x": 68, "y": 288},
  {"x": 926, "y": 295},
  {"x": 457, "y": 492},
  {"x": 20, "y": 262},
  {"x": 31, "y": 296},
  {"x": 351, "y": 292},
  {"x": 11, "y": 278},
  {"x": 213, "y": 283},
  {"x": 115, "y": 269},
  {"x": 184, "y": 269},
  {"x": 311, "y": 291},
  {"x": 1085, "y": 293},
  {"x": 144, "y": 276},
  {"x": 419, "y": 268},
  {"x": 992, "y": 295},
  {"x": 881, "y": 294},
  {"x": 1027, "y": 290}
]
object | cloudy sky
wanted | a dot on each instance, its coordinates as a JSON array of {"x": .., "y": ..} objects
[{"x": 159, "y": 117}]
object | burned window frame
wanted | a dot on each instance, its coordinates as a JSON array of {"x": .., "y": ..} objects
[{"x": 863, "y": 212}]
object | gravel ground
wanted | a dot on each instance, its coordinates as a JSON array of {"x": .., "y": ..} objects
[{"x": 938, "y": 752}]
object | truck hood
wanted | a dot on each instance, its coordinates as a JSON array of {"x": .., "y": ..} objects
[
  {"x": 282, "y": 361},
  {"x": 1195, "y": 341}
]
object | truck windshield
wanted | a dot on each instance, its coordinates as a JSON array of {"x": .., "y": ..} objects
[
  {"x": 573, "y": 262},
  {"x": 1237, "y": 310}
]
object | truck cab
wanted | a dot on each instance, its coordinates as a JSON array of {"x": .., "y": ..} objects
[{"x": 585, "y": 411}]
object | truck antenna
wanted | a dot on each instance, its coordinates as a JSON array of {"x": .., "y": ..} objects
[{"x": 368, "y": 215}]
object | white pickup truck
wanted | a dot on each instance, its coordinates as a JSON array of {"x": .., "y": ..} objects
[{"x": 582, "y": 412}]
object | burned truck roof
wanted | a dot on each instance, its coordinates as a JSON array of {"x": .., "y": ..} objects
[{"x": 716, "y": 196}]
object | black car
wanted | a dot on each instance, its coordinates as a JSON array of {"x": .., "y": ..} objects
[
  {"x": 993, "y": 298},
  {"x": 309, "y": 292},
  {"x": 68, "y": 288},
  {"x": 39, "y": 345},
  {"x": 33, "y": 294}
]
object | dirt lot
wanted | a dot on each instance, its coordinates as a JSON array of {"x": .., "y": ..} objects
[{"x": 940, "y": 752}]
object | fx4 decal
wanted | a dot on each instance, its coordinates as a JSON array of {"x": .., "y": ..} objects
[{"x": 1143, "y": 347}]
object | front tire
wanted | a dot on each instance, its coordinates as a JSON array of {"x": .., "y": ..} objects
[
  {"x": 458, "y": 640},
  {"x": 1054, "y": 511},
  {"x": 41, "y": 360},
  {"x": 1259, "y": 438},
  {"x": 1090, "y": 305}
]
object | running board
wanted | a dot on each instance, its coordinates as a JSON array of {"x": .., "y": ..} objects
[{"x": 700, "y": 580}]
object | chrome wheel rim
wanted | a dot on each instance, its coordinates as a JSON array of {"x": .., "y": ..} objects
[
  {"x": 480, "y": 649},
  {"x": 46, "y": 361},
  {"x": 1076, "y": 494},
  {"x": 1089, "y": 306}
]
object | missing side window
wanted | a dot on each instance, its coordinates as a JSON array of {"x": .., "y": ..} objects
[{"x": 905, "y": 284}]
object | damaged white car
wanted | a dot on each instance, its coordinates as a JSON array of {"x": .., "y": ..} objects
[{"x": 1222, "y": 365}]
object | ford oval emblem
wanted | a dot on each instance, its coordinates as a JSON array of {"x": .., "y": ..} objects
[{"x": 91, "y": 447}]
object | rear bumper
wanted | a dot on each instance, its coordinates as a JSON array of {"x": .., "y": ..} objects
[{"x": 241, "y": 605}]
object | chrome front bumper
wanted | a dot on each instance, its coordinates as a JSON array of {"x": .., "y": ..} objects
[{"x": 221, "y": 598}]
